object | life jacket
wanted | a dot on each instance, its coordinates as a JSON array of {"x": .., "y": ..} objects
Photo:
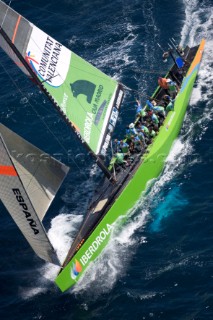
[{"x": 163, "y": 83}]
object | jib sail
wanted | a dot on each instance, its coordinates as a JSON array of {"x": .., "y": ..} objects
[
  {"x": 29, "y": 180},
  {"x": 88, "y": 98}
]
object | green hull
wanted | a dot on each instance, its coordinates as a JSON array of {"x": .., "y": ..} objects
[{"x": 150, "y": 168}]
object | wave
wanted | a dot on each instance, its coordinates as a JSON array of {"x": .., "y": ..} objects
[
  {"x": 115, "y": 259},
  {"x": 198, "y": 25}
]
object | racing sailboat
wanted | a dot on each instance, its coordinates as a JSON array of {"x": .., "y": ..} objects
[{"x": 89, "y": 101}]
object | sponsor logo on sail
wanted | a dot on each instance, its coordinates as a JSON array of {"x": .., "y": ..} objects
[
  {"x": 25, "y": 210},
  {"x": 46, "y": 69},
  {"x": 83, "y": 87},
  {"x": 75, "y": 269},
  {"x": 49, "y": 60},
  {"x": 119, "y": 99},
  {"x": 31, "y": 60},
  {"x": 88, "y": 127},
  {"x": 114, "y": 117},
  {"x": 106, "y": 144},
  {"x": 97, "y": 99}
]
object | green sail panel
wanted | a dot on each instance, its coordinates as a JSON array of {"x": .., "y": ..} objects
[
  {"x": 85, "y": 95},
  {"x": 88, "y": 98}
]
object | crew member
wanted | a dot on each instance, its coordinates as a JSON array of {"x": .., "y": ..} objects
[
  {"x": 172, "y": 88},
  {"x": 163, "y": 84},
  {"x": 157, "y": 109}
]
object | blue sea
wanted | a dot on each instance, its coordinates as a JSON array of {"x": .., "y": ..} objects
[{"x": 160, "y": 264}]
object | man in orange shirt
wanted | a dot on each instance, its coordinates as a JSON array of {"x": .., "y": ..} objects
[
  {"x": 169, "y": 86},
  {"x": 163, "y": 83}
]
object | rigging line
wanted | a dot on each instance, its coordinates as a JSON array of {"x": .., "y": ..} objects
[
  {"x": 74, "y": 67},
  {"x": 24, "y": 89},
  {"x": 10, "y": 69},
  {"x": 93, "y": 74},
  {"x": 136, "y": 91},
  {"x": 149, "y": 71},
  {"x": 139, "y": 94},
  {"x": 58, "y": 73},
  {"x": 72, "y": 52},
  {"x": 45, "y": 124},
  {"x": 32, "y": 175},
  {"x": 42, "y": 9},
  {"x": 5, "y": 14},
  {"x": 43, "y": 89},
  {"x": 100, "y": 131},
  {"x": 130, "y": 89}
]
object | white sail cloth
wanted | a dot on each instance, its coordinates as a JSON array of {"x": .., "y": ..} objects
[{"x": 29, "y": 180}]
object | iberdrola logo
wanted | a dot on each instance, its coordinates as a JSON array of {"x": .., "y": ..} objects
[{"x": 75, "y": 269}]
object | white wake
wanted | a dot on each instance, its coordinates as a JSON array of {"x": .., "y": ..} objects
[{"x": 114, "y": 261}]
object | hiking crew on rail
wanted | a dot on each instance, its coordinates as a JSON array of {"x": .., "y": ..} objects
[{"x": 140, "y": 133}]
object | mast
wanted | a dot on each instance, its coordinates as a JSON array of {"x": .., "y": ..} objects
[{"x": 98, "y": 160}]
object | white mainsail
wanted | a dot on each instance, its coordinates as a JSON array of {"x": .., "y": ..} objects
[{"x": 29, "y": 180}]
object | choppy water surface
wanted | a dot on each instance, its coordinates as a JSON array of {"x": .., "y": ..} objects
[{"x": 159, "y": 266}]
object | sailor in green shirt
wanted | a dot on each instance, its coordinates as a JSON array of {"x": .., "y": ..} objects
[
  {"x": 124, "y": 147},
  {"x": 143, "y": 113},
  {"x": 145, "y": 130},
  {"x": 170, "y": 106},
  {"x": 118, "y": 159},
  {"x": 172, "y": 87},
  {"x": 170, "y": 103},
  {"x": 154, "y": 118},
  {"x": 152, "y": 133},
  {"x": 154, "y": 107}
]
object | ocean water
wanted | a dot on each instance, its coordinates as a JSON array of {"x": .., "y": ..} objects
[{"x": 160, "y": 264}]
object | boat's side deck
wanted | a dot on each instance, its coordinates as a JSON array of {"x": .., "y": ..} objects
[{"x": 108, "y": 192}]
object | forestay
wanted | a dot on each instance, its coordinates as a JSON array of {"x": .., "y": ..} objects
[
  {"x": 88, "y": 98},
  {"x": 29, "y": 180}
]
